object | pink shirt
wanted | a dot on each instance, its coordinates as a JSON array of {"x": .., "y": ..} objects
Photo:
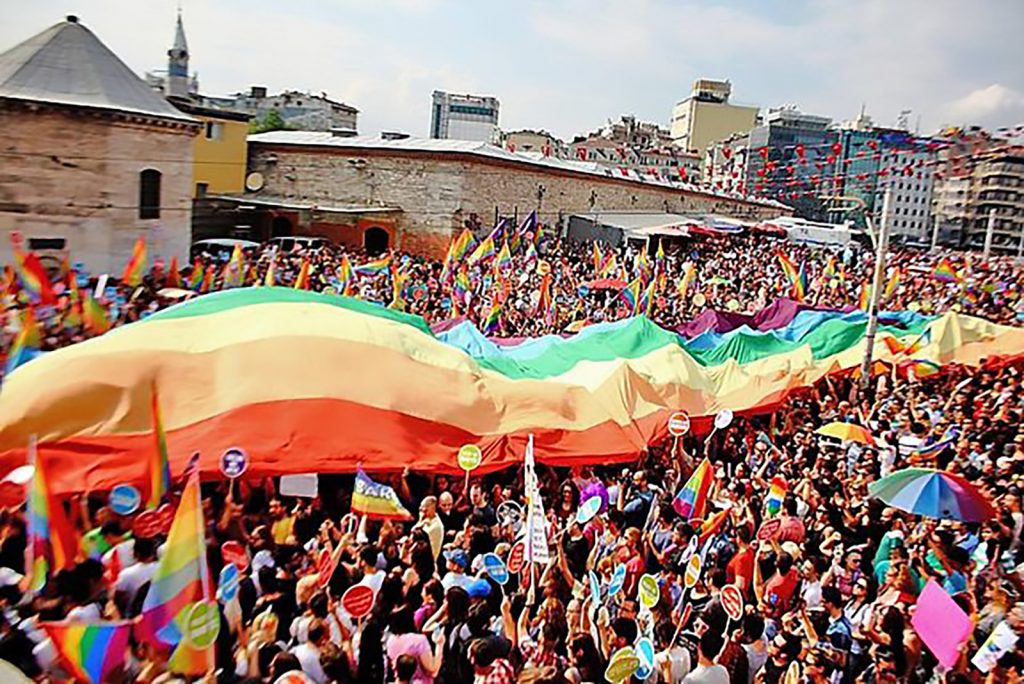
[{"x": 413, "y": 644}]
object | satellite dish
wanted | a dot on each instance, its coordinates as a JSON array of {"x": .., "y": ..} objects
[{"x": 254, "y": 181}]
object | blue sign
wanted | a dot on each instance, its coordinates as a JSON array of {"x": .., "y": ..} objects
[
  {"x": 645, "y": 652},
  {"x": 588, "y": 509},
  {"x": 595, "y": 588},
  {"x": 583, "y": 290},
  {"x": 234, "y": 463},
  {"x": 124, "y": 499},
  {"x": 496, "y": 568},
  {"x": 618, "y": 579},
  {"x": 227, "y": 585}
]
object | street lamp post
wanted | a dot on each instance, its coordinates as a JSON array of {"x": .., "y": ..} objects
[{"x": 881, "y": 250}]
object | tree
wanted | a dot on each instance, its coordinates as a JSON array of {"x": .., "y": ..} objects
[{"x": 271, "y": 121}]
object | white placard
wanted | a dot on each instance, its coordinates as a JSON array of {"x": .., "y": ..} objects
[{"x": 304, "y": 485}]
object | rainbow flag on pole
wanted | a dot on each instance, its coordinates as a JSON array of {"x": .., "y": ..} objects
[
  {"x": 944, "y": 272},
  {"x": 484, "y": 250},
  {"x": 492, "y": 321},
  {"x": 891, "y": 285},
  {"x": 159, "y": 465},
  {"x": 693, "y": 497},
  {"x": 374, "y": 268},
  {"x": 94, "y": 316},
  {"x": 789, "y": 268},
  {"x": 689, "y": 273},
  {"x": 90, "y": 651},
  {"x": 136, "y": 265},
  {"x": 52, "y": 545},
  {"x": 631, "y": 295},
  {"x": 302, "y": 279},
  {"x": 864, "y": 302},
  {"x": 181, "y": 580},
  {"x": 33, "y": 277},
  {"x": 25, "y": 346},
  {"x": 800, "y": 285},
  {"x": 776, "y": 494},
  {"x": 375, "y": 500}
]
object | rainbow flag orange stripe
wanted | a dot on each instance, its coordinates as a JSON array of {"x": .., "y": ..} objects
[
  {"x": 159, "y": 465},
  {"x": 51, "y": 539}
]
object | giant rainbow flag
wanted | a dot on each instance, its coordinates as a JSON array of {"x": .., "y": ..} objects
[{"x": 265, "y": 369}]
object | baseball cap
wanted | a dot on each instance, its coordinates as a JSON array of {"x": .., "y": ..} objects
[
  {"x": 457, "y": 556},
  {"x": 480, "y": 588}
]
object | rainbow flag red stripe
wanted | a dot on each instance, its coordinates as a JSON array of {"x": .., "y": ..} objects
[
  {"x": 33, "y": 277},
  {"x": 944, "y": 272},
  {"x": 52, "y": 544},
  {"x": 159, "y": 465},
  {"x": 90, "y": 651}
]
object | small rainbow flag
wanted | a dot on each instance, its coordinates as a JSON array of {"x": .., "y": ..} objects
[
  {"x": 52, "y": 545},
  {"x": 693, "y": 497},
  {"x": 159, "y": 465},
  {"x": 94, "y": 316},
  {"x": 597, "y": 256},
  {"x": 234, "y": 271},
  {"x": 776, "y": 494},
  {"x": 631, "y": 295},
  {"x": 173, "y": 274},
  {"x": 545, "y": 303},
  {"x": 33, "y": 277},
  {"x": 789, "y": 268},
  {"x": 948, "y": 439},
  {"x": 73, "y": 317},
  {"x": 90, "y": 651},
  {"x": 659, "y": 256},
  {"x": 345, "y": 276},
  {"x": 504, "y": 259},
  {"x": 689, "y": 273},
  {"x": 456, "y": 251},
  {"x": 647, "y": 299},
  {"x": 864, "y": 303},
  {"x": 484, "y": 250},
  {"x": 920, "y": 368},
  {"x": 528, "y": 226},
  {"x": 712, "y": 525},
  {"x": 922, "y": 341},
  {"x": 800, "y": 285},
  {"x": 610, "y": 267},
  {"x": 640, "y": 263},
  {"x": 398, "y": 280},
  {"x": 376, "y": 501},
  {"x": 462, "y": 285},
  {"x": 531, "y": 253},
  {"x": 27, "y": 343},
  {"x": 136, "y": 265},
  {"x": 891, "y": 285},
  {"x": 376, "y": 267},
  {"x": 270, "y": 277},
  {"x": 492, "y": 321},
  {"x": 181, "y": 577},
  {"x": 944, "y": 272},
  {"x": 302, "y": 279},
  {"x": 195, "y": 278}
]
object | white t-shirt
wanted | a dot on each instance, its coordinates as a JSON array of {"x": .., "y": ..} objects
[
  {"x": 308, "y": 656},
  {"x": 679, "y": 659},
  {"x": 714, "y": 674},
  {"x": 133, "y": 577}
]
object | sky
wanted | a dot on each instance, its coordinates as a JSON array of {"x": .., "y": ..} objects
[{"x": 569, "y": 66}]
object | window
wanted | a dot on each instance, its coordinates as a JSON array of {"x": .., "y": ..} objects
[
  {"x": 40, "y": 244},
  {"x": 214, "y": 130},
  {"x": 149, "y": 194},
  {"x": 202, "y": 189}
]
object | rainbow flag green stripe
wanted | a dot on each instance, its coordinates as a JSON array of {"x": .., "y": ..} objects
[{"x": 311, "y": 382}]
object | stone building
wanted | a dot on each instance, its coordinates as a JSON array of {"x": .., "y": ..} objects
[
  {"x": 415, "y": 193},
  {"x": 92, "y": 157}
]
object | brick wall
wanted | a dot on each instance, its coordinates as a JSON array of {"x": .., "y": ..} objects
[
  {"x": 438, "y": 191},
  {"x": 76, "y": 176}
]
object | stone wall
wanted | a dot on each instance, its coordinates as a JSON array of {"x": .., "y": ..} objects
[
  {"x": 75, "y": 175},
  {"x": 437, "y": 191}
]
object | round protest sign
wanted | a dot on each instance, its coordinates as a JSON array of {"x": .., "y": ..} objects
[
  {"x": 723, "y": 419},
  {"x": 588, "y": 509},
  {"x": 618, "y": 578},
  {"x": 165, "y": 514},
  {"x": 647, "y": 590},
  {"x": 124, "y": 499},
  {"x": 233, "y": 463},
  {"x": 357, "y": 600},
  {"x": 325, "y": 567},
  {"x": 202, "y": 625},
  {"x": 147, "y": 525},
  {"x": 227, "y": 584},
  {"x": 768, "y": 529},
  {"x": 732, "y": 601},
  {"x": 622, "y": 665},
  {"x": 645, "y": 654},
  {"x": 495, "y": 567},
  {"x": 679, "y": 423},
  {"x": 692, "y": 572},
  {"x": 294, "y": 677},
  {"x": 233, "y": 552},
  {"x": 516, "y": 557},
  {"x": 470, "y": 457}
]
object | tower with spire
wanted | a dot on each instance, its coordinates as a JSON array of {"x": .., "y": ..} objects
[{"x": 177, "y": 64}]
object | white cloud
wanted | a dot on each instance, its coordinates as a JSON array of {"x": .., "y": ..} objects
[{"x": 994, "y": 105}]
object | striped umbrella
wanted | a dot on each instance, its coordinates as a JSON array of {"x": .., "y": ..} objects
[{"x": 933, "y": 494}]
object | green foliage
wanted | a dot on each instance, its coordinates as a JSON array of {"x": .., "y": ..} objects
[{"x": 271, "y": 121}]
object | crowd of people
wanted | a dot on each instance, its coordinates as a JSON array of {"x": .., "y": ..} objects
[{"x": 829, "y": 575}]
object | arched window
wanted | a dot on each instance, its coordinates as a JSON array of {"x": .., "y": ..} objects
[{"x": 149, "y": 194}]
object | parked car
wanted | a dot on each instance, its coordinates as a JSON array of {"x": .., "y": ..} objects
[
  {"x": 300, "y": 242},
  {"x": 220, "y": 248}
]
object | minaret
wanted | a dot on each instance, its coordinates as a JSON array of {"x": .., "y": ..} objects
[{"x": 177, "y": 64}]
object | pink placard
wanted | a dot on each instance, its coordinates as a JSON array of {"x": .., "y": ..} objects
[{"x": 942, "y": 625}]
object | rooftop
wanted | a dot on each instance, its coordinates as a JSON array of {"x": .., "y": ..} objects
[
  {"x": 68, "y": 65},
  {"x": 484, "y": 151}
]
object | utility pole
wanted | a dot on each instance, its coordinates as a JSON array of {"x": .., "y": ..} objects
[
  {"x": 881, "y": 249},
  {"x": 936, "y": 220},
  {"x": 989, "y": 230}
]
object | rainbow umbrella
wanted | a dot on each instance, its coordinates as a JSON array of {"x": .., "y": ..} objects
[
  {"x": 847, "y": 432},
  {"x": 933, "y": 494}
]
